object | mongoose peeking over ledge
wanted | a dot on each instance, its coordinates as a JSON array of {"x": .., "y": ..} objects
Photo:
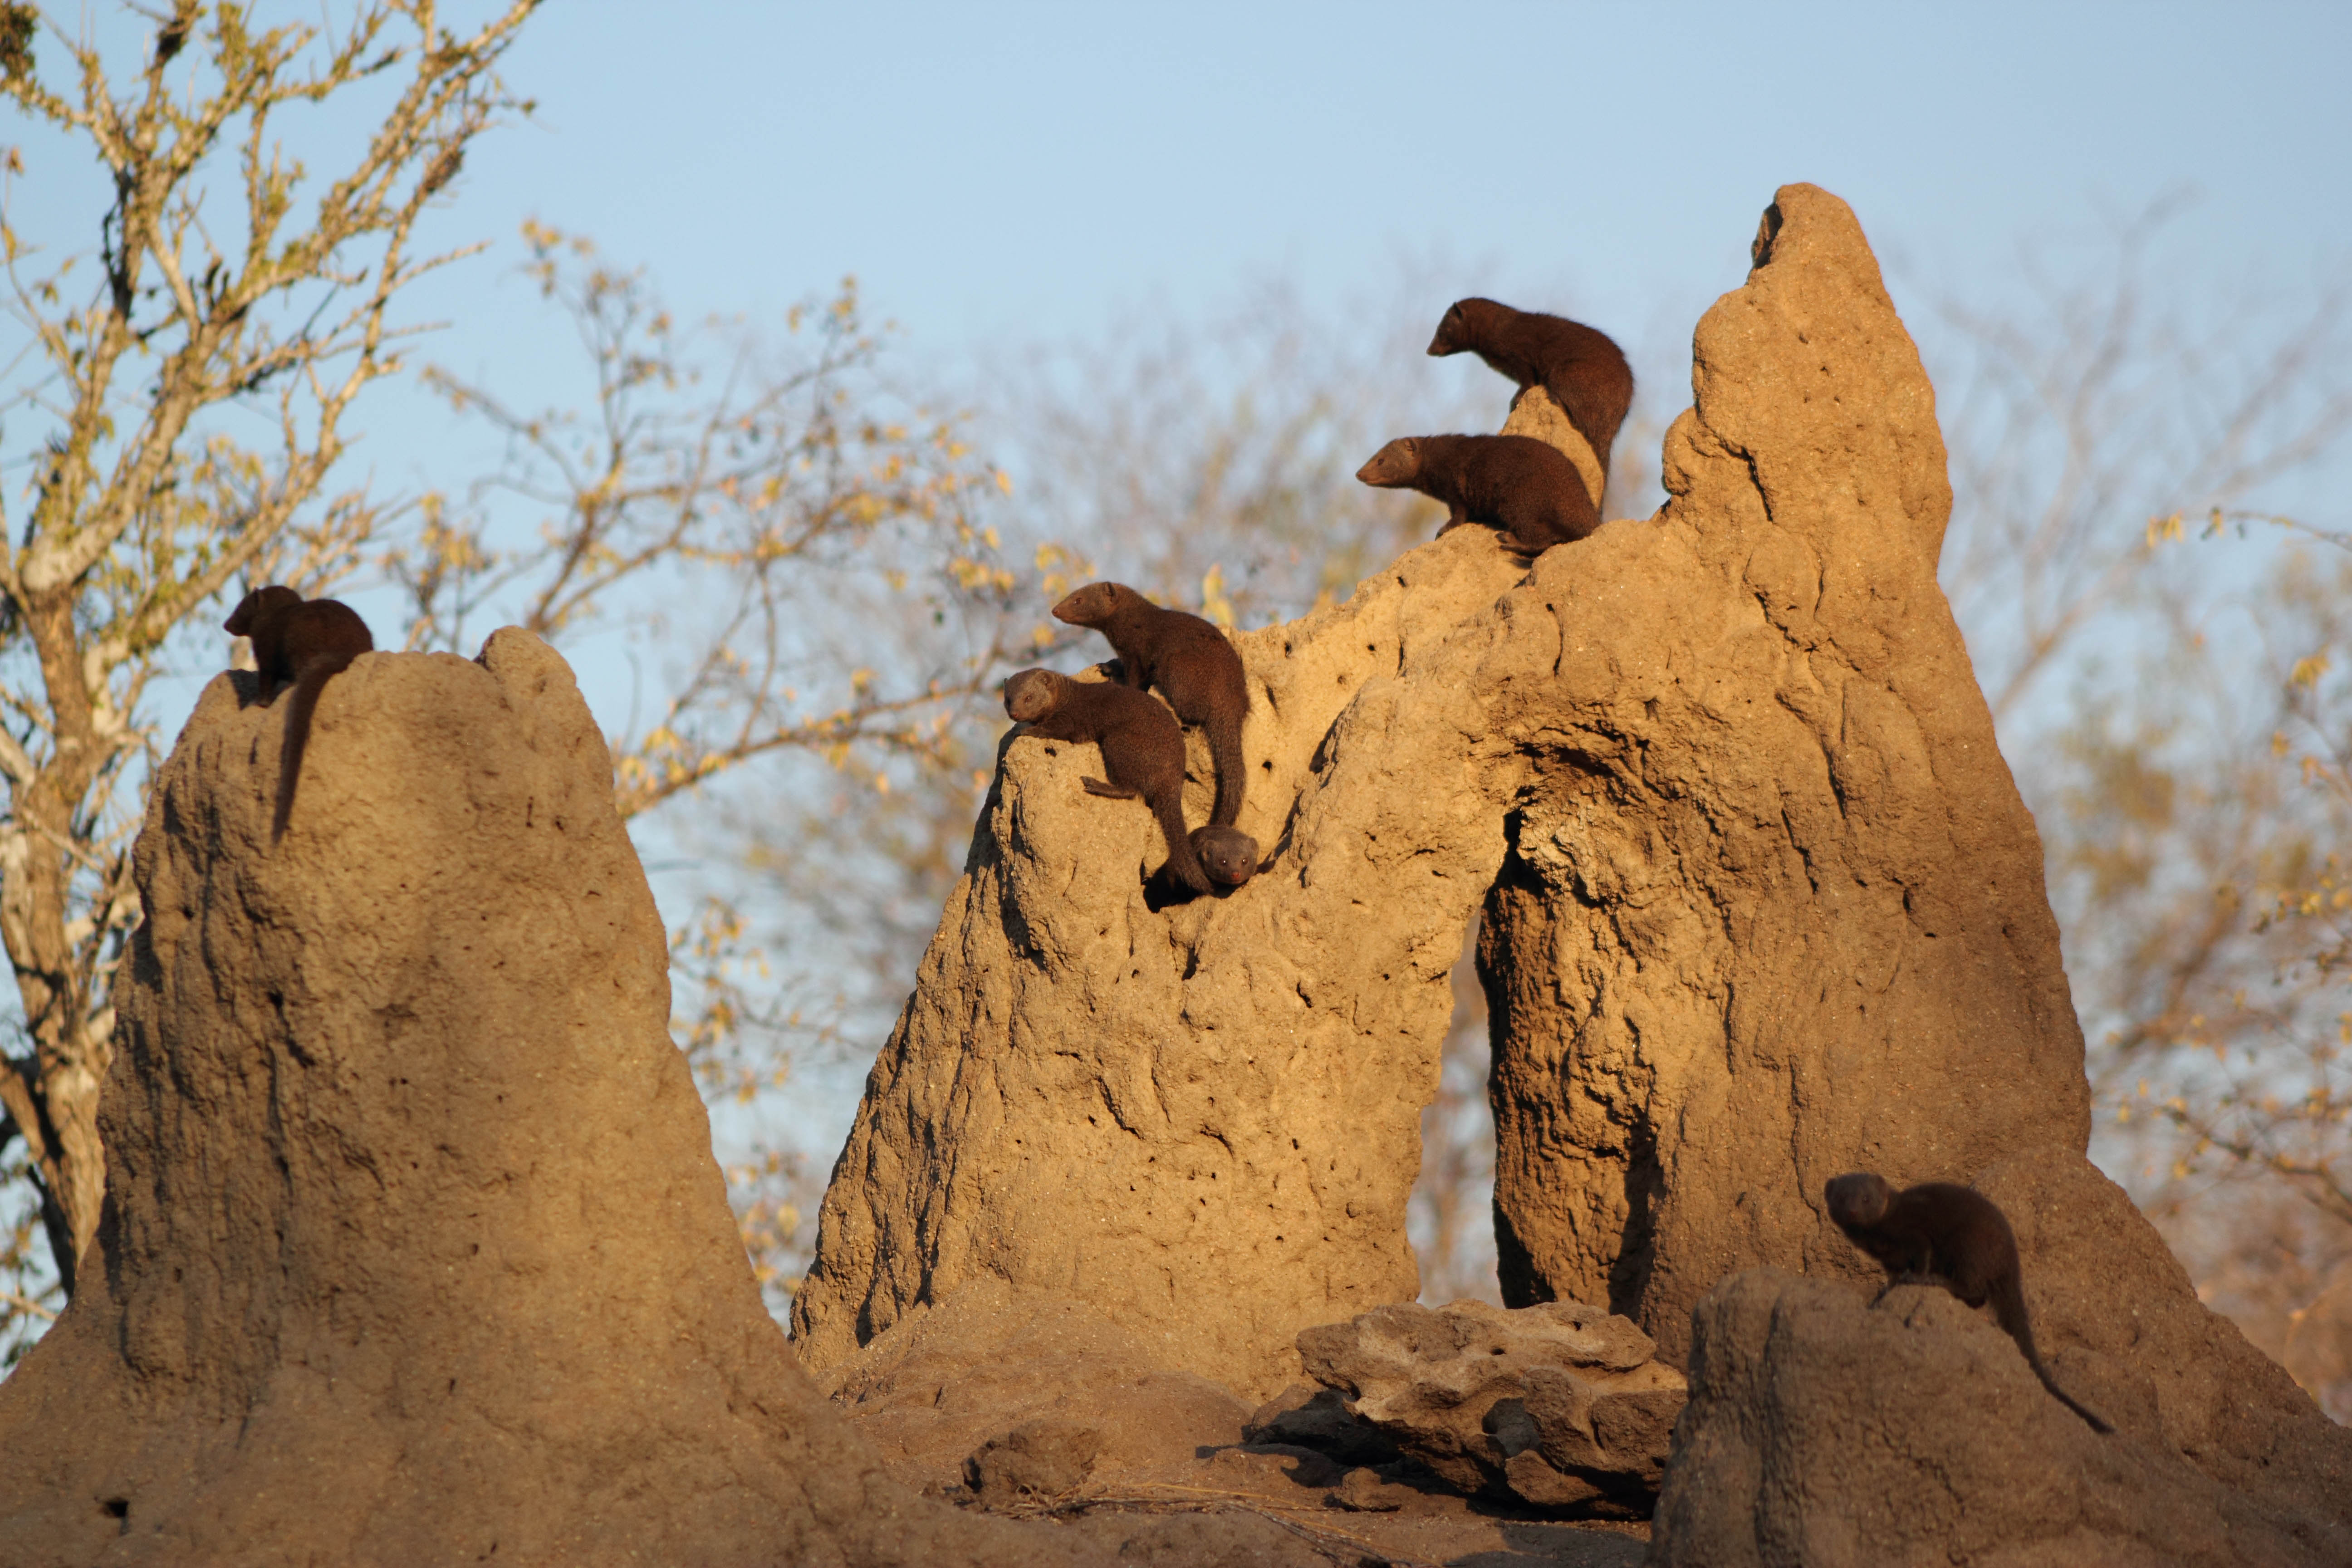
[
  {"x": 1228, "y": 854},
  {"x": 1526, "y": 487},
  {"x": 1941, "y": 1234},
  {"x": 1580, "y": 366},
  {"x": 1189, "y": 660},
  {"x": 1142, "y": 750},
  {"x": 306, "y": 642}
]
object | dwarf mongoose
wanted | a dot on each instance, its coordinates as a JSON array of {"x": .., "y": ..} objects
[
  {"x": 1585, "y": 372},
  {"x": 1228, "y": 854},
  {"x": 1526, "y": 487},
  {"x": 1190, "y": 662},
  {"x": 1142, "y": 749},
  {"x": 307, "y": 642},
  {"x": 1937, "y": 1232}
]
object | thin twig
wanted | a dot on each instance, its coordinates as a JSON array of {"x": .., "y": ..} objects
[{"x": 23, "y": 1305}]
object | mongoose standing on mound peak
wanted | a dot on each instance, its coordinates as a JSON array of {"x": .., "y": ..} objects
[
  {"x": 1142, "y": 749},
  {"x": 1188, "y": 659},
  {"x": 1583, "y": 370},
  {"x": 1941, "y": 1234},
  {"x": 304, "y": 641},
  {"x": 1526, "y": 487}
]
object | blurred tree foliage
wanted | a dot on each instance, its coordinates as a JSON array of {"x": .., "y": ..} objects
[
  {"x": 793, "y": 536},
  {"x": 798, "y": 544},
  {"x": 2198, "y": 848},
  {"x": 792, "y": 545}
]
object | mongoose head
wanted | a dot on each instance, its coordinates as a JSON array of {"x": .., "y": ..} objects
[
  {"x": 1858, "y": 1198},
  {"x": 1394, "y": 465},
  {"x": 1458, "y": 329},
  {"x": 1033, "y": 694},
  {"x": 255, "y": 604},
  {"x": 1096, "y": 603},
  {"x": 1229, "y": 855}
]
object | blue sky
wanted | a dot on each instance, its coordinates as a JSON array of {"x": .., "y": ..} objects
[
  {"x": 1010, "y": 171},
  {"x": 998, "y": 175}
]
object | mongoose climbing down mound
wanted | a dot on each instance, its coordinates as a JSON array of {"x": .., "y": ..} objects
[
  {"x": 1526, "y": 487},
  {"x": 1188, "y": 659},
  {"x": 1583, "y": 370},
  {"x": 307, "y": 642},
  {"x": 1955, "y": 1236},
  {"x": 1142, "y": 749}
]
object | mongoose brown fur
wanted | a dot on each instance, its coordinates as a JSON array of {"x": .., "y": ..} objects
[
  {"x": 1583, "y": 370},
  {"x": 1941, "y": 1234},
  {"x": 1188, "y": 659},
  {"x": 1526, "y": 487},
  {"x": 1228, "y": 854},
  {"x": 307, "y": 642},
  {"x": 1142, "y": 749}
]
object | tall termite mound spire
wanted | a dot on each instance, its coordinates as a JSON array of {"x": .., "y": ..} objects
[{"x": 1774, "y": 908}]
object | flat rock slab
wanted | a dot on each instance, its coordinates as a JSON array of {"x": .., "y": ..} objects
[{"x": 1557, "y": 1407}]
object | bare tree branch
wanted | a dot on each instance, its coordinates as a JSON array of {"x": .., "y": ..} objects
[{"x": 145, "y": 506}]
